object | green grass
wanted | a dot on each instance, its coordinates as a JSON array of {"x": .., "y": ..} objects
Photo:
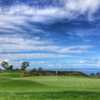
[{"x": 14, "y": 87}]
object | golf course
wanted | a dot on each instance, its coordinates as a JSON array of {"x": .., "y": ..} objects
[{"x": 15, "y": 87}]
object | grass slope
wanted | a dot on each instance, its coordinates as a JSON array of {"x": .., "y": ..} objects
[{"x": 48, "y": 88}]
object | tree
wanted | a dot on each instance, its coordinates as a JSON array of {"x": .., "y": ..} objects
[
  {"x": 24, "y": 65},
  {"x": 98, "y": 74},
  {"x": 93, "y": 74},
  {"x": 23, "y": 68},
  {"x": 5, "y": 65},
  {"x": 11, "y": 67},
  {"x": 40, "y": 69}
]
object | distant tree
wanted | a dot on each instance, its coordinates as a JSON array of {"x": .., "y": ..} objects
[
  {"x": 16, "y": 69},
  {"x": 98, "y": 74},
  {"x": 92, "y": 74},
  {"x": 23, "y": 68},
  {"x": 40, "y": 69},
  {"x": 34, "y": 70},
  {"x": 24, "y": 65},
  {"x": 5, "y": 65},
  {"x": 11, "y": 67}
]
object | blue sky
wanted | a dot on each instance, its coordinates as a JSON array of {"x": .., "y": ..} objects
[{"x": 51, "y": 33}]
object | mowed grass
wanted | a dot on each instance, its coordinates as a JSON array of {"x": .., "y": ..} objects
[{"x": 15, "y": 87}]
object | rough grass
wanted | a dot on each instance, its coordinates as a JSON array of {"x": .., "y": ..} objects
[
  {"x": 48, "y": 88},
  {"x": 69, "y": 95}
]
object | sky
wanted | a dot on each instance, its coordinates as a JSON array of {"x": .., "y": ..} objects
[{"x": 53, "y": 34}]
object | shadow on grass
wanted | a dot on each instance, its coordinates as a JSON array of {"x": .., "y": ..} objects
[{"x": 11, "y": 85}]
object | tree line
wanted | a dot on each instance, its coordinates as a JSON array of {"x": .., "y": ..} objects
[
  {"x": 36, "y": 71},
  {"x": 9, "y": 67},
  {"x": 24, "y": 65}
]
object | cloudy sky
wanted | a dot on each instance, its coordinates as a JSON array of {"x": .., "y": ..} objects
[{"x": 51, "y": 33}]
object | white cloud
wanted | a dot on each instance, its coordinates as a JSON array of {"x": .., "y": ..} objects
[
  {"x": 19, "y": 15},
  {"x": 75, "y": 49},
  {"x": 15, "y": 43},
  {"x": 82, "y": 6},
  {"x": 12, "y": 48}
]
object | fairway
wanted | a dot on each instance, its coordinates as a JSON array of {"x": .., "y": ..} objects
[{"x": 48, "y": 88}]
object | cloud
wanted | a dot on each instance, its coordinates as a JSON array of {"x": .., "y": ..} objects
[
  {"x": 82, "y": 6},
  {"x": 69, "y": 8},
  {"x": 14, "y": 47},
  {"x": 75, "y": 49},
  {"x": 18, "y": 44},
  {"x": 17, "y": 16}
]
